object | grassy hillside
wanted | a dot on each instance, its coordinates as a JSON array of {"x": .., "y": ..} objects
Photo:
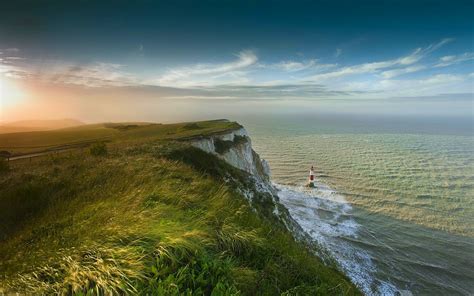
[
  {"x": 39, "y": 141},
  {"x": 37, "y": 125},
  {"x": 153, "y": 217}
]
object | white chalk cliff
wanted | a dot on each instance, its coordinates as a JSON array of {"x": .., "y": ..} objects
[
  {"x": 238, "y": 152},
  {"x": 235, "y": 147}
]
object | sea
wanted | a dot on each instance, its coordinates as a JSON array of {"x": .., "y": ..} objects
[{"x": 394, "y": 203}]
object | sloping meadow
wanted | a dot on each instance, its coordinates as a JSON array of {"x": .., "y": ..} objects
[{"x": 151, "y": 217}]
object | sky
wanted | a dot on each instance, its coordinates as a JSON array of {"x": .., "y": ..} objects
[{"x": 179, "y": 60}]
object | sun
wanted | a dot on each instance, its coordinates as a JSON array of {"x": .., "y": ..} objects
[{"x": 11, "y": 93}]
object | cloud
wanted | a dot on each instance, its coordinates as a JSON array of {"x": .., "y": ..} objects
[
  {"x": 11, "y": 64},
  {"x": 441, "y": 78},
  {"x": 13, "y": 71},
  {"x": 245, "y": 78},
  {"x": 14, "y": 58},
  {"x": 291, "y": 66},
  {"x": 11, "y": 60},
  {"x": 374, "y": 67},
  {"x": 338, "y": 52},
  {"x": 91, "y": 75},
  {"x": 4, "y": 68},
  {"x": 295, "y": 66},
  {"x": 455, "y": 59},
  {"x": 12, "y": 49},
  {"x": 430, "y": 85},
  {"x": 420, "y": 53},
  {"x": 178, "y": 76},
  {"x": 397, "y": 72},
  {"x": 276, "y": 90},
  {"x": 267, "y": 92}
]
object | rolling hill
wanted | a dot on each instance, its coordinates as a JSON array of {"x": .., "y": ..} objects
[
  {"x": 152, "y": 214},
  {"x": 37, "y": 125}
]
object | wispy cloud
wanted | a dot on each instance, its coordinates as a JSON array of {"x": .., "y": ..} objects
[
  {"x": 177, "y": 76},
  {"x": 13, "y": 71},
  {"x": 9, "y": 66},
  {"x": 292, "y": 66},
  {"x": 97, "y": 74},
  {"x": 89, "y": 75},
  {"x": 247, "y": 77},
  {"x": 12, "y": 50},
  {"x": 295, "y": 66},
  {"x": 410, "y": 87},
  {"x": 338, "y": 52},
  {"x": 374, "y": 67},
  {"x": 397, "y": 72},
  {"x": 455, "y": 59},
  {"x": 8, "y": 58},
  {"x": 276, "y": 90}
]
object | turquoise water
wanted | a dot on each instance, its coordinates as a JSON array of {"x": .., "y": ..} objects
[{"x": 395, "y": 201}]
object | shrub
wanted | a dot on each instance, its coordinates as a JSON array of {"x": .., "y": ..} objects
[{"x": 99, "y": 149}]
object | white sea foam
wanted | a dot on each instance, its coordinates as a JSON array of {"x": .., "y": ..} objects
[{"x": 326, "y": 216}]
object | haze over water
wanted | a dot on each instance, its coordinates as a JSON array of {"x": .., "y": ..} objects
[{"x": 395, "y": 203}]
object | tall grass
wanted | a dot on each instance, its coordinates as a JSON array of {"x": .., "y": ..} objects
[
  {"x": 152, "y": 218},
  {"x": 96, "y": 271}
]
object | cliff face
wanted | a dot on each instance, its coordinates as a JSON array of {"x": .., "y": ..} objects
[{"x": 235, "y": 147}]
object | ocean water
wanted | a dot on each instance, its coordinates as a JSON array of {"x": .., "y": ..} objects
[{"x": 394, "y": 203}]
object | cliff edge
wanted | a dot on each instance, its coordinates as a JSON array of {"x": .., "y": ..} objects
[
  {"x": 176, "y": 209},
  {"x": 234, "y": 146}
]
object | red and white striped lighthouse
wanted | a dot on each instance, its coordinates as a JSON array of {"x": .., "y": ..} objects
[{"x": 311, "y": 177}]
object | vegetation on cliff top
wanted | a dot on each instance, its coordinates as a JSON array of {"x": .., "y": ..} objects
[{"x": 152, "y": 216}]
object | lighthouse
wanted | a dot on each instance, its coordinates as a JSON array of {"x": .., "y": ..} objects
[{"x": 311, "y": 178}]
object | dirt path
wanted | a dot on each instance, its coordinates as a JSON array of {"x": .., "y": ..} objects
[{"x": 55, "y": 149}]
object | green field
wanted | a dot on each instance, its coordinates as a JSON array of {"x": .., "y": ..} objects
[
  {"x": 153, "y": 216},
  {"x": 40, "y": 141}
]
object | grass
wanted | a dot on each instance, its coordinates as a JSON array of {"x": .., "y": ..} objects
[
  {"x": 39, "y": 141},
  {"x": 151, "y": 217},
  {"x": 98, "y": 149}
]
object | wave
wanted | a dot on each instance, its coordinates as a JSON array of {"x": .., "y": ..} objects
[{"x": 327, "y": 217}]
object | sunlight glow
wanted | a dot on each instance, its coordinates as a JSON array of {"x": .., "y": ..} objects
[{"x": 10, "y": 92}]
